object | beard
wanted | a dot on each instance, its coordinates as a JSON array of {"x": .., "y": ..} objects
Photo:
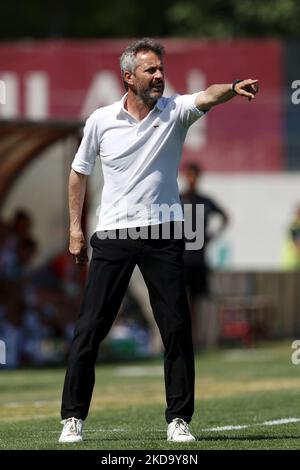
[{"x": 151, "y": 94}]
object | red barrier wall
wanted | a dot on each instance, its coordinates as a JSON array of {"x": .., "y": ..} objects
[{"x": 71, "y": 79}]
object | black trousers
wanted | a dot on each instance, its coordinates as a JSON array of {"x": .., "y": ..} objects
[{"x": 161, "y": 264}]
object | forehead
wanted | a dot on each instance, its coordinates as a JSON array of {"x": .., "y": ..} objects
[{"x": 147, "y": 58}]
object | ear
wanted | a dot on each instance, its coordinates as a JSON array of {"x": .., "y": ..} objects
[{"x": 129, "y": 78}]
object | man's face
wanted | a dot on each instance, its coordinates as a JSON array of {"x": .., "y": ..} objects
[
  {"x": 192, "y": 178},
  {"x": 148, "y": 78}
]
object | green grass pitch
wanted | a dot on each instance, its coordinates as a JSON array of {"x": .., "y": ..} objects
[{"x": 242, "y": 398}]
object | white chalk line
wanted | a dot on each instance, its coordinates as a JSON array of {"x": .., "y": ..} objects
[{"x": 275, "y": 422}]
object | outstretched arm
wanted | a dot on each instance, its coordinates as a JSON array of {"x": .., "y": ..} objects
[
  {"x": 77, "y": 245},
  {"x": 217, "y": 94}
]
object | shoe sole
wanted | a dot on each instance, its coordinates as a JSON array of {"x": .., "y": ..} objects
[{"x": 70, "y": 441}]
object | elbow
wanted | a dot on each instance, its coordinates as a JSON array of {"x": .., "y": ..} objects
[
  {"x": 204, "y": 101},
  {"x": 77, "y": 174}
]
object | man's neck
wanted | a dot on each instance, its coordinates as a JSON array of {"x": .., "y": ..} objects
[
  {"x": 136, "y": 107},
  {"x": 191, "y": 191}
]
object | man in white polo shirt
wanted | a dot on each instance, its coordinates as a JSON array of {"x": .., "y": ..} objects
[{"x": 139, "y": 140}]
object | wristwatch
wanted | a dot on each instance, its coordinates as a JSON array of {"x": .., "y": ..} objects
[{"x": 233, "y": 85}]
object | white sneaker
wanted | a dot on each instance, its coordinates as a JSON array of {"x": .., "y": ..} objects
[
  {"x": 72, "y": 430},
  {"x": 178, "y": 431}
]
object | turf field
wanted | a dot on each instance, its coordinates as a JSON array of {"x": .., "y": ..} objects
[{"x": 246, "y": 399}]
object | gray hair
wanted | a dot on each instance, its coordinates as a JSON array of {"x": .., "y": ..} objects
[{"x": 128, "y": 58}]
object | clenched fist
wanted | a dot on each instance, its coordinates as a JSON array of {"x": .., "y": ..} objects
[{"x": 78, "y": 248}]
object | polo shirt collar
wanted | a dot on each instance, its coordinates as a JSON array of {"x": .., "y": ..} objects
[{"x": 160, "y": 104}]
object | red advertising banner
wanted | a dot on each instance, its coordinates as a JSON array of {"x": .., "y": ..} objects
[{"x": 68, "y": 80}]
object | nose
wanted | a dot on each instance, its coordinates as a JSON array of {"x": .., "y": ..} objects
[{"x": 158, "y": 74}]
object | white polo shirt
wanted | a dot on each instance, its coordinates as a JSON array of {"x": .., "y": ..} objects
[{"x": 139, "y": 159}]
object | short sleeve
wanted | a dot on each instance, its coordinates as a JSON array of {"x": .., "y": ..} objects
[
  {"x": 214, "y": 208},
  {"x": 188, "y": 111},
  {"x": 88, "y": 150}
]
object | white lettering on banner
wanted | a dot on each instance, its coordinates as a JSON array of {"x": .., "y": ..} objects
[
  {"x": 2, "y": 352},
  {"x": 197, "y": 135},
  {"x": 36, "y": 95},
  {"x": 2, "y": 92},
  {"x": 10, "y": 109},
  {"x": 104, "y": 90}
]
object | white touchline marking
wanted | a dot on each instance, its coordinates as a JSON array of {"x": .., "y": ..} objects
[
  {"x": 227, "y": 428},
  {"x": 281, "y": 421},
  {"x": 275, "y": 422}
]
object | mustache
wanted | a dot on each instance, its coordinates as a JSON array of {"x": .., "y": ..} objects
[{"x": 159, "y": 83}]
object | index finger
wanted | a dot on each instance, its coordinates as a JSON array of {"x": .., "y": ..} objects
[{"x": 249, "y": 81}]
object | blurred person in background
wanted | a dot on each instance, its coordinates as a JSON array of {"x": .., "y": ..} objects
[
  {"x": 11, "y": 321},
  {"x": 195, "y": 261},
  {"x": 28, "y": 312},
  {"x": 21, "y": 223},
  {"x": 139, "y": 140},
  {"x": 18, "y": 247},
  {"x": 290, "y": 256}
]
